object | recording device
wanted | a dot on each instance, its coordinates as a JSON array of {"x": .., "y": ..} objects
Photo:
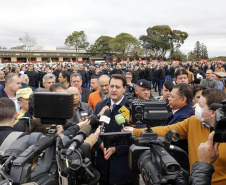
[
  {"x": 149, "y": 112},
  {"x": 39, "y": 158},
  {"x": 120, "y": 120},
  {"x": 105, "y": 119},
  {"x": 53, "y": 108},
  {"x": 78, "y": 139},
  {"x": 148, "y": 155},
  {"x": 220, "y": 121}
]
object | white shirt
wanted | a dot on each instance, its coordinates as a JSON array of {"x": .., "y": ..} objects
[{"x": 116, "y": 103}]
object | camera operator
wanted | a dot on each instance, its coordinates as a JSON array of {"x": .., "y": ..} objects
[{"x": 196, "y": 129}]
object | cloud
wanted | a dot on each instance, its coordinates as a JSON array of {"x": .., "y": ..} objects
[{"x": 50, "y": 22}]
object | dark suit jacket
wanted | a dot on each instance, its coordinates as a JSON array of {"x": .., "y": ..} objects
[
  {"x": 85, "y": 95},
  {"x": 182, "y": 114},
  {"x": 115, "y": 170}
]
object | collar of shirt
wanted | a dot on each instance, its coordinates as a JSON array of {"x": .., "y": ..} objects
[
  {"x": 207, "y": 125},
  {"x": 117, "y": 102},
  {"x": 174, "y": 111}
]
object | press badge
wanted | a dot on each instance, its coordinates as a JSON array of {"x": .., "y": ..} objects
[{"x": 124, "y": 111}]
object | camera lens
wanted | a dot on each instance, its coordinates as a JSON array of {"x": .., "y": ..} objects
[
  {"x": 138, "y": 116},
  {"x": 138, "y": 109}
]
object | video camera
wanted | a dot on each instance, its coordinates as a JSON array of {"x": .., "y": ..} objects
[
  {"x": 41, "y": 158},
  {"x": 150, "y": 112},
  {"x": 220, "y": 121}
]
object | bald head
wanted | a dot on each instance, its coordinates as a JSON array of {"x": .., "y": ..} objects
[
  {"x": 75, "y": 91},
  {"x": 104, "y": 83}
]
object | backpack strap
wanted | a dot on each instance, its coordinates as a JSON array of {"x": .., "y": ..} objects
[{"x": 8, "y": 141}]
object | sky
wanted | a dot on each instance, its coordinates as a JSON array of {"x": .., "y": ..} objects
[{"x": 51, "y": 21}]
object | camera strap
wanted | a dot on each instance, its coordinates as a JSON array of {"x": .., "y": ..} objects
[{"x": 8, "y": 141}]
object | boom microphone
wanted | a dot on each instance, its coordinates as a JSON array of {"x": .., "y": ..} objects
[
  {"x": 78, "y": 139},
  {"x": 105, "y": 119},
  {"x": 120, "y": 120}
]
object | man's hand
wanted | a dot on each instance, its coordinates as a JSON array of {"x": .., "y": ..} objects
[
  {"x": 129, "y": 84},
  {"x": 208, "y": 151},
  {"x": 128, "y": 129},
  {"x": 108, "y": 152},
  {"x": 103, "y": 110},
  {"x": 60, "y": 130},
  {"x": 83, "y": 123}
]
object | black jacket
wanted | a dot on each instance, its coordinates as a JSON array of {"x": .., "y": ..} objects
[
  {"x": 201, "y": 173},
  {"x": 24, "y": 123},
  {"x": 148, "y": 73},
  {"x": 115, "y": 170},
  {"x": 56, "y": 73},
  {"x": 83, "y": 74},
  {"x": 33, "y": 78},
  {"x": 85, "y": 95}
]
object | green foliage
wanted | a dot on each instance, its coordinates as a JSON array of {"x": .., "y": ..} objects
[
  {"x": 3, "y": 47},
  {"x": 191, "y": 56},
  {"x": 123, "y": 44},
  {"x": 200, "y": 51},
  {"x": 204, "y": 52},
  {"x": 161, "y": 39},
  {"x": 77, "y": 40},
  {"x": 178, "y": 55},
  {"x": 101, "y": 46},
  {"x": 197, "y": 50}
]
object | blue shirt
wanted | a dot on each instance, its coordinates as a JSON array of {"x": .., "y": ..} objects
[{"x": 221, "y": 85}]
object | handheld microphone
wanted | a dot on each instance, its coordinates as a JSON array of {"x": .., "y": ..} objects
[
  {"x": 105, "y": 119},
  {"x": 120, "y": 120},
  {"x": 78, "y": 139}
]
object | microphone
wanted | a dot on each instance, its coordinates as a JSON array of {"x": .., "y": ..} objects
[
  {"x": 215, "y": 106},
  {"x": 94, "y": 120},
  {"x": 78, "y": 139},
  {"x": 105, "y": 119},
  {"x": 120, "y": 120}
]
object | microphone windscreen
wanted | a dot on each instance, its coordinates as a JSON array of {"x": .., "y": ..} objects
[
  {"x": 86, "y": 129},
  {"x": 94, "y": 121},
  {"x": 120, "y": 119},
  {"x": 215, "y": 106},
  {"x": 107, "y": 113}
]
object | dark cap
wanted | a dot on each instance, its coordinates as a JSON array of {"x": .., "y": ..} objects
[
  {"x": 143, "y": 83},
  {"x": 168, "y": 85}
]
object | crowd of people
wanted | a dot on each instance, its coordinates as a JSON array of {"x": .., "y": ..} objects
[{"x": 188, "y": 88}]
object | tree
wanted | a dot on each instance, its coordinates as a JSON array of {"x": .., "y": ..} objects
[
  {"x": 197, "y": 50},
  {"x": 101, "y": 46},
  {"x": 191, "y": 56},
  {"x": 161, "y": 39},
  {"x": 28, "y": 43},
  {"x": 178, "y": 55},
  {"x": 77, "y": 40},
  {"x": 123, "y": 44},
  {"x": 3, "y": 47},
  {"x": 204, "y": 52}
]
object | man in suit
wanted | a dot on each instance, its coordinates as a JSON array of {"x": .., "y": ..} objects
[
  {"x": 76, "y": 81},
  {"x": 112, "y": 163},
  {"x": 180, "y": 101}
]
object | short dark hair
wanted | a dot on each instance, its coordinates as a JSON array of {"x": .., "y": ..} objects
[
  {"x": 181, "y": 72},
  {"x": 7, "y": 109},
  {"x": 66, "y": 74},
  {"x": 213, "y": 95},
  {"x": 56, "y": 86},
  {"x": 185, "y": 90},
  {"x": 168, "y": 85},
  {"x": 198, "y": 88},
  {"x": 119, "y": 77},
  {"x": 94, "y": 77}
]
